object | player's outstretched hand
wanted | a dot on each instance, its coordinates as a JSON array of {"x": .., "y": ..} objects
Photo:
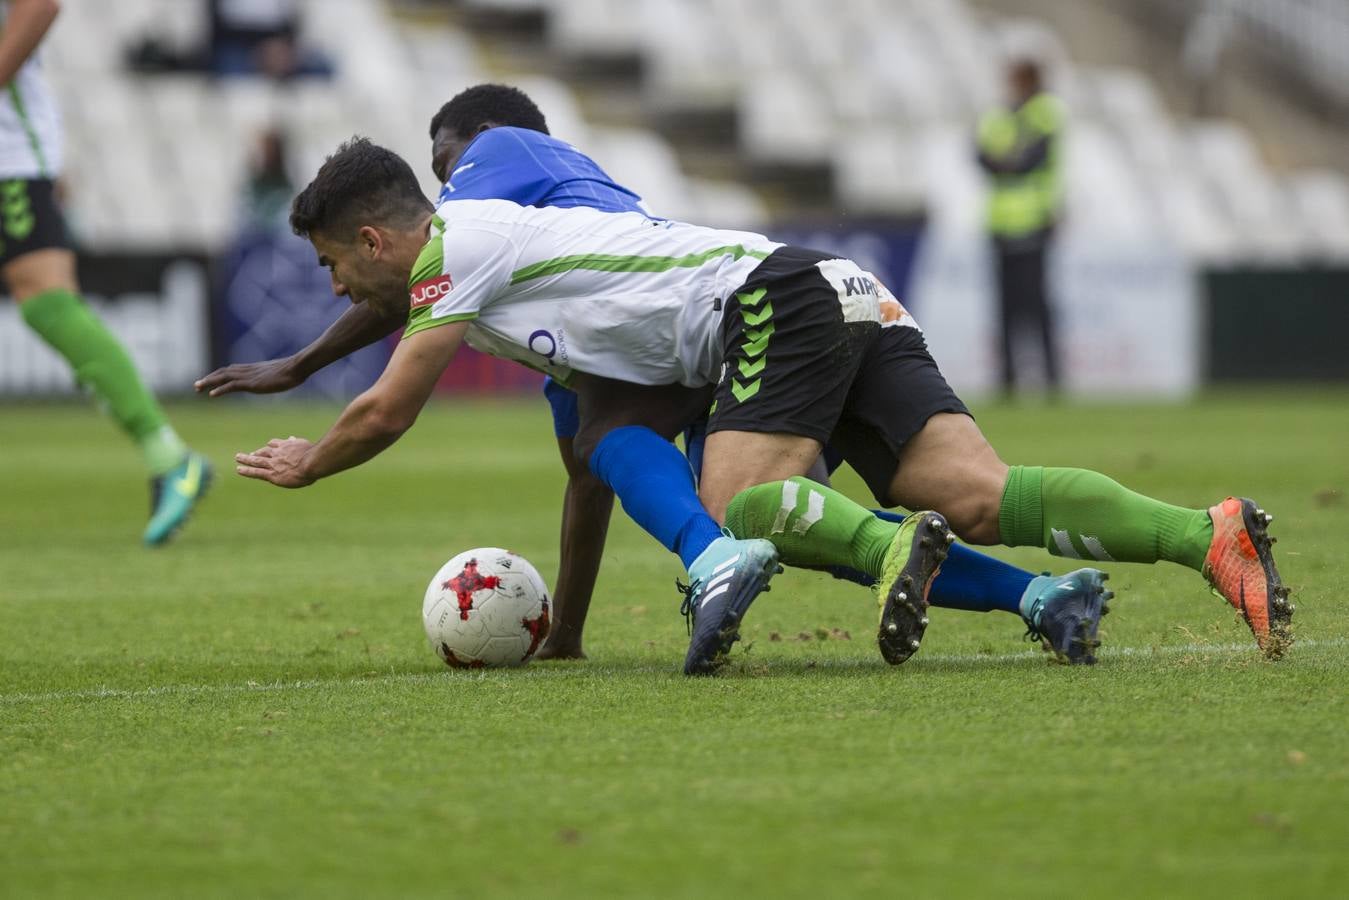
[
  {"x": 280, "y": 462},
  {"x": 268, "y": 377}
]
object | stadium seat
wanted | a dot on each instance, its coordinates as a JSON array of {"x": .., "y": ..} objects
[
  {"x": 1228, "y": 157},
  {"x": 955, "y": 188},
  {"x": 785, "y": 120},
  {"x": 602, "y": 28},
  {"x": 726, "y": 205},
  {"x": 1321, "y": 201},
  {"x": 878, "y": 171},
  {"x": 559, "y": 105},
  {"x": 689, "y": 62},
  {"x": 641, "y": 159}
]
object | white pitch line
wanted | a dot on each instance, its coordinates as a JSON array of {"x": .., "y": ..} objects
[
  {"x": 181, "y": 690},
  {"x": 1111, "y": 652}
]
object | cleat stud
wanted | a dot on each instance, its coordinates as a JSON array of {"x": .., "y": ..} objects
[
  {"x": 923, "y": 621},
  {"x": 1292, "y": 608},
  {"x": 892, "y": 628},
  {"x": 1268, "y": 518},
  {"x": 1260, "y": 512},
  {"x": 902, "y": 596},
  {"x": 913, "y": 643}
]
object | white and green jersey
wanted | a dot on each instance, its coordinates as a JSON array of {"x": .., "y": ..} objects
[
  {"x": 576, "y": 289},
  {"x": 30, "y": 126}
]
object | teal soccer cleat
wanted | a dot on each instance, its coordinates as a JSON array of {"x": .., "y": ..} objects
[
  {"x": 174, "y": 495},
  {"x": 1063, "y": 613},
  {"x": 723, "y": 582}
]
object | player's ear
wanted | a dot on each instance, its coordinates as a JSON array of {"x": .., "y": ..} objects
[{"x": 370, "y": 241}]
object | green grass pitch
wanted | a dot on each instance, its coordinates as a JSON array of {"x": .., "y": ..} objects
[{"x": 254, "y": 711}]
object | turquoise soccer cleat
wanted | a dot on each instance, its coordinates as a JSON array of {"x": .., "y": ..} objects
[
  {"x": 174, "y": 495},
  {"x": 724, "y": 580},
  {"x": 1063, "y": 613}
]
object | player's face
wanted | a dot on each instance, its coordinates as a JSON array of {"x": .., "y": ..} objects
[
  {"x": 361, "y": 274},
  {"x": 446, "y": 148}
]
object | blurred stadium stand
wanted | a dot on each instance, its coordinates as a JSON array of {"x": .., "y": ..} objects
[
  {"x": 879, "y": 92},
  {"x": 852, "y": 116}
]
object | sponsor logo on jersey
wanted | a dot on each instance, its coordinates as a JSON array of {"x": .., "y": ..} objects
[
  {"x": 892, "y": 311},
  {"x": 858, "y": 284},
  {"x": 424, "y": 293},
  {"x": 857, "y": 292},
  {"x": 552, "y": 347},
  {"x": 543, "y": 343},
  {"x": 862, "y": 296}
]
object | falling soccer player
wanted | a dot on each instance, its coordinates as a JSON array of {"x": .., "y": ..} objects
[{"x": 654, "y": 303}]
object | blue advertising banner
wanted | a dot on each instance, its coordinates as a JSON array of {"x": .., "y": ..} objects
[{"x": 273, "y": 300}]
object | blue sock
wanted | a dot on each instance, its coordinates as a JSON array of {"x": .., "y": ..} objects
[
  {"x": 654, "y": 483},
  {"x": 967, "y": 580}
]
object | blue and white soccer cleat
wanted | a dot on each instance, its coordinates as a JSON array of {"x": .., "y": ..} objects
[
  {"x": 1064, "y": 611},
  {"x": 723, "y": 581},
  {"x": 174, "y": 495}
]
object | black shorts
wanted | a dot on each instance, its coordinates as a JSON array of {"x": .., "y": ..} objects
[
  {"x": 803, "y": 356},
  {"x": 897, "y": 390},
  {"x": 29, "y": 218}
]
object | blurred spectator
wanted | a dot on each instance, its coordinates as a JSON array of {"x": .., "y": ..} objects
[
  {"x": 261, "y": 37},
  {"x": 265, "y": 204},
  {"x": 1019, "y": 149}
]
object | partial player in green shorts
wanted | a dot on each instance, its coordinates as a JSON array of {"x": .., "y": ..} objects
[{"x": 38, "y": 267}]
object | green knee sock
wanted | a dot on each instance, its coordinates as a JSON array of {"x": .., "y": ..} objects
[
  {"x": 811, "y": 525},
  {"x": 1085, "y": 515},
  {"x": 102, "y": 365}
]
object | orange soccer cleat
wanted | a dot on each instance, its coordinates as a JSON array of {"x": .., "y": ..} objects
[{"x": 1240, "y": 566}]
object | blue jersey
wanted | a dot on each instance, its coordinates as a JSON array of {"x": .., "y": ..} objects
[{"x": 534, "y": 169}]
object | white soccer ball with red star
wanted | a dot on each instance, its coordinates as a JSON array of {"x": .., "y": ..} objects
[{"x": 486, "y": 607}]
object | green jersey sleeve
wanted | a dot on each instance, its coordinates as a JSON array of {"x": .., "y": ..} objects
[{"x": 459, "y": 271}]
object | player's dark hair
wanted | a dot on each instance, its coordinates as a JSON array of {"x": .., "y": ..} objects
[
  {"x": 482, "y": 104},
  {"x": 361, "y": 184}
]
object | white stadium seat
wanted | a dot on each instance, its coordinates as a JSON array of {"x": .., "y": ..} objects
[
  {"x": 594, "y": 28},
  {"x": 878, "y": 171},
  {"x": 785, "y": 120}
]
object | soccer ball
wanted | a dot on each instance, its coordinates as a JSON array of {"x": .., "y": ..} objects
[{"x": 486, "y": 607}]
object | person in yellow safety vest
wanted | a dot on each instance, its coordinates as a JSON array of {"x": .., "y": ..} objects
[{"x": 1019, "y": 148}]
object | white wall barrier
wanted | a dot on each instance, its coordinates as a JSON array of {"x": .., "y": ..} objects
[
  {"x": 163, "y": 320},
  {"x": 1127, "y": 314}
]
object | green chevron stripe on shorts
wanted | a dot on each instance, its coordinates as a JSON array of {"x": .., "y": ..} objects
[
  {"x": 16, "y": 209},
  {"x": 758, "y": 318}
]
